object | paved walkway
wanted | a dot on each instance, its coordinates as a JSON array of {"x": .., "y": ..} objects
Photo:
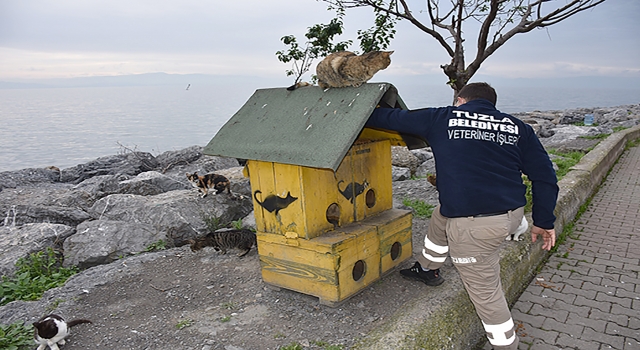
[{"x": 587, "y": 296}]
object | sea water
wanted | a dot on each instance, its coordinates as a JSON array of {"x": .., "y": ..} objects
[{"x": 64, "y": 127}]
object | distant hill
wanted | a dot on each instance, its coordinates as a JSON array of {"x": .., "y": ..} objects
[
  {"x": 565, "y": 82},
  {"x": 164, "y": 79},
  {"x": 147, "y": 79}
]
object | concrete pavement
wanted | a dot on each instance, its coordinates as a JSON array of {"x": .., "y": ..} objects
[{"x": 587, "y": 296}]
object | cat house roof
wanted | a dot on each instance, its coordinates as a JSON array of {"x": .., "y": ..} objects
[{"x": 308, "y": 126}]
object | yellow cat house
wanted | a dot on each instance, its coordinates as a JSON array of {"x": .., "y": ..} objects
[{"x": 321, "y": 185}]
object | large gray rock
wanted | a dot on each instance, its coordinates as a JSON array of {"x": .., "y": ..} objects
[
  {"x": 617, "y": 115},
  {"x": 567, "y": 133},
  {"x": 400, "y": 173},
  {"x": 102, "y": 185},
  {"x": 426, "y": 168},
  {"x": 104, "y": 241},
  {"x": 151, "y": 183},
  {"x": 19, "y": 241},
  {"x": 239, "y": 183},
  {"x": 31, "y": 176},
  {"x": 148, "y": 183},
  {"x": 203, "y": 165},
  {"x": 132, "y": 163},
  {"x": 48, "y": 214},
  {"x": 181, "y": 214},
  {"x": 51, "y": 203},
  {"x": 402, "y": 157},
  {"x": 180, "y": 158},
  {"x": 423, "y": 154},
  {"x": 79, "y": 284}
]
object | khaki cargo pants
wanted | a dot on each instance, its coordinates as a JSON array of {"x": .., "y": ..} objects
[{"x": 472, "y": 243}]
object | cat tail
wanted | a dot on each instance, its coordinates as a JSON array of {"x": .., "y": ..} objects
[
  {"x": 77, "y": 322},
  {"x": 255, "y": 196},
  {"x": 298, "y": 85}
]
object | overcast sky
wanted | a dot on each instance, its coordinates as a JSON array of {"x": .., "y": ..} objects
[{"x": 75, "y": 38}]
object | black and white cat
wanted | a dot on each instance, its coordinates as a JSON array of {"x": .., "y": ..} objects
[
  {"x": 51, "y": 330},
  {"x": 516, "y": 236}
]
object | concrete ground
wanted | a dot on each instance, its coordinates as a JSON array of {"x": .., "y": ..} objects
[{"x": 587, "y": 296}]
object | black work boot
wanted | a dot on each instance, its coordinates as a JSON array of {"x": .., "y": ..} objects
[{"x": 430, "y": 277}]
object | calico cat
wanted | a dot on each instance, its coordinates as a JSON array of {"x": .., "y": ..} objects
[
  {"x": 51, "y": 330},
  {"x": 344, "y": 68},
  {"x": 209, "y": 181},
  {"x": 348, "y": 191},
  {"x": 242, "y": 239},
  {"x": 274, "y": 203}
]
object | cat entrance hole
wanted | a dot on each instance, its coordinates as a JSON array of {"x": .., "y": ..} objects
[
  {"x": 370, "y": 198},
  {"x": 396, "y": 250},
  {"x": 333, "y": 215},
  {"x": 359, "y": 269}
]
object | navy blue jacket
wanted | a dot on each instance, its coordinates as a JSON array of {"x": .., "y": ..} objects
[{"x": 480, "y": 156}]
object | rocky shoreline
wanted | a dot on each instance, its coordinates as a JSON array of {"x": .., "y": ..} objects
[{"x": 102, "y": 215}]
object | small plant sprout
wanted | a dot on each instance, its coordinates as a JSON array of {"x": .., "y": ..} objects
[{"x": 184, "y": 323}]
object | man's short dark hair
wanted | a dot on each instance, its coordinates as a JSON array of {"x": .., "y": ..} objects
[{"x": 474, "y": 91}]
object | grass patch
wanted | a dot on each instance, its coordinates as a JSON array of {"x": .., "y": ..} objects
[
  {"x": 16, "y": 336},
  {"x": 327, "y": 346},
  {"x": 156, "y": 246},
  {"x": 566, "y": 161},
  {"x": 184, "y": 323},
  {"x": 595, "y": 137},
  {"x": 237, "y": 224},
  {"x": 582, "y": 124},
  {"x": 604, "y": 136},
  {"x": 527, "y": 194},
  {"x": 633, "y": 143},
  {"x": 215, "y": 223},
  {"x": 279, "y": 336},
  {"x": 228, "y": 305},
  {"x": 36, "y": 274},
  {"x": 420, "y": 208},
  {"x": 292, "y": 346}
]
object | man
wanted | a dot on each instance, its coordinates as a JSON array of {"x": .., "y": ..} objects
[{"x": 480, "y": 156}]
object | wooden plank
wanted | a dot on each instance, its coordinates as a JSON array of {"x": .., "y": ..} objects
[
  {"x": 319, "y": 186},
  {"x": 297, "y": 255},
  {"x": 372, "y": 163},
  {"x": 290, "y": 218},
  {"x": 306, "y": 272}
]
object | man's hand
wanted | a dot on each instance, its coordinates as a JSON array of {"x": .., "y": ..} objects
[{"x": 548, "y": 237}]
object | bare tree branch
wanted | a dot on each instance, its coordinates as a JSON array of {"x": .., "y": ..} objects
[{"x": 499, "y": 20}]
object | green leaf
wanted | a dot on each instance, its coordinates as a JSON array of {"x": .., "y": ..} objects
[{"x": 39, "y": 272}]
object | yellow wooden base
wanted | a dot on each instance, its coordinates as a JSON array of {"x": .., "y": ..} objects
[
  {"x": 394, "y": 232},
  {"x": 339, "y": 263}
]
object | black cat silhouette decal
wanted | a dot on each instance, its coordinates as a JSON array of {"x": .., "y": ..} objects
[
  {"x": 274, "y": 203},
  {"x": 353, "y": 189}
]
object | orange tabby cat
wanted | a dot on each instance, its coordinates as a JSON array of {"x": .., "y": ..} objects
[{"x": 344, "y": 68}]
